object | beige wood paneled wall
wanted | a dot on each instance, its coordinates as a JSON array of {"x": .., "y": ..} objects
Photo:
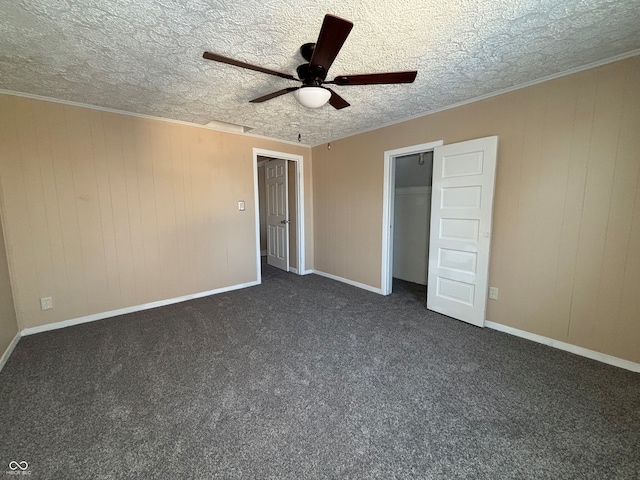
[
  {"x": 105, "y": 211},
  {"x": 566, "y": 238},
  {"x": 8, "y": 320}
]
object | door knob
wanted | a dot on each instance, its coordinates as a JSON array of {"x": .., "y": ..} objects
[{"x": 284, "y": 222}]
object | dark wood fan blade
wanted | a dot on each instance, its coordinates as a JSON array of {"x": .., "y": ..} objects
[
  {"x": 230, "y": 61},
  {"x": 337, "y": 101},
  {"x": 333, "y": 34},
  {"x": 274, "y": 95},
  {"x": 376, "y": 78}
]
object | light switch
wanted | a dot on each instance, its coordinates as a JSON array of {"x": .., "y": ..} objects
[{"x": 241, "y": 205}]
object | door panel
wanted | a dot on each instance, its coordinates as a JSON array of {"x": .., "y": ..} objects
[
  {"x": 460, "y": 292},
  {"x": 459, "y": 229},
  {"x": 462, "y": 165},
  {"x": 460, "y": 239},
  {"x": 460, "y": 197},
  {"x": 464, "y": 262},
  {"x": 277, "y": 214}
]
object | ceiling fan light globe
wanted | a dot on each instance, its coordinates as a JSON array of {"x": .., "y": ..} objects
[{"x": 312, "y": 97}]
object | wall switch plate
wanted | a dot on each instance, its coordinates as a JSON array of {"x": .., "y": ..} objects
[
  {"x": 46, "y": 303},
  {"x": 241, "y": 205},
  {"x": 493, "y": 293}
]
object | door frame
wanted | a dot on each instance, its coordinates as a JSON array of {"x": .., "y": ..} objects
[
  {"x": 299, "y": 199},
  {"x": 388, "y": 204}
]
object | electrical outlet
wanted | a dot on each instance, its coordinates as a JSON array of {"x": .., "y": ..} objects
[
  {"x": 493, "y": 293},
  {"x": 46, "y": 303}
]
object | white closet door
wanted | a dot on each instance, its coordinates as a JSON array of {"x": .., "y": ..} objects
[{"x": 460, "y": 236}]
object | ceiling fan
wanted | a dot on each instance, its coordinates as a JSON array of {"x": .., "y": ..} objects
[{"x": 320, "y": 55}]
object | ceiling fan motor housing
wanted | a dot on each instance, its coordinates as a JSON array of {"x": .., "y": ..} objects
[
  {"x": 306, "y": 51},
  {"x": 311, "y": 75}
]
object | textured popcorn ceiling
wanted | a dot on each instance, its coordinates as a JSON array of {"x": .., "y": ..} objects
[{"x": 145, "y": 56}]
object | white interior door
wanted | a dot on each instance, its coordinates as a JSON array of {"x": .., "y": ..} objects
[
  {"x": 277, "y": 214},
  {"x": 460, "y": 237}
]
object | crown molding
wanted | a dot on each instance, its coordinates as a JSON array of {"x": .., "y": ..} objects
[
  {"x": 147, "y": 117},
  {"x": 565, "y": 73}
]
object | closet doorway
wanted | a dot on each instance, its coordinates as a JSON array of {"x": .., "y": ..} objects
[
  {"x": 412, "y": 212},
  {"x": 407, "y": 181},
  {"x": 291, "y": 236}
]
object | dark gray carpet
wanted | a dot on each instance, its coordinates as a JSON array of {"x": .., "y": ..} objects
[{"x": 304, "y": 377}]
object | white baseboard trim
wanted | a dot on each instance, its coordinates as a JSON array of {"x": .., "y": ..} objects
[
  {"x": 568, "y": 347},
  {"x": 307, "y": 272},
  {"x": 7, "y": 353},
  {"x": 349, "y": 282},
  {"x": 136, "y": 308},
  {"x": 293, "y": 270}
]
